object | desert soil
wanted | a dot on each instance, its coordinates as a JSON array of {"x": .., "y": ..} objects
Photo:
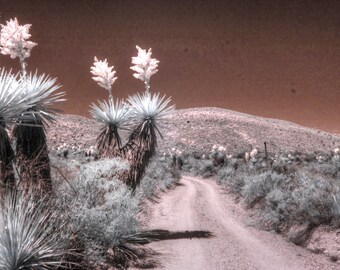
[{"x": 199, "y": 204}]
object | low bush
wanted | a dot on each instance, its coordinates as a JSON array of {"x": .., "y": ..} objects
[
  {"x": 100, "y": 207},
  {"x": 160, "y": 175}
]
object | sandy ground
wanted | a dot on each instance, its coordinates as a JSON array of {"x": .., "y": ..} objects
[{"x": 201, "y": 205}]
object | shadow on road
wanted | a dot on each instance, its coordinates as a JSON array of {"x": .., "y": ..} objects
[
  {"x": 147, "y": 258},
  {"x": 147, "y": 237}
]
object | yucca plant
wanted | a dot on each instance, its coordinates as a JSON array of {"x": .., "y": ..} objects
[
  {"x": 32, "y": 234},
  {"x": 143, "y": 111},
  {"x": 30, "y": 129},
  {"x": 11, "y": 106},
  {"x": 39, "y": 94},
  {"x": 113, "y": 116},
  {"x": 147, "y": 114}
]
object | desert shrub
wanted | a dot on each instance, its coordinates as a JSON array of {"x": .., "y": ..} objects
[
  {"x": 161, "y": 174},
  {"x": 100, "y": 207},
  {"x": 329, "y": 169},
  {"x": 225, "y": 174},
  {"x": 314, "y": 199},
  {"x": 279, "y": 207},
  {"x": 257, "y": 187},
  {"x": 191, "y": 165},
  {"x": 284, "y": 166},
  {"x": 206, "y": 168}
]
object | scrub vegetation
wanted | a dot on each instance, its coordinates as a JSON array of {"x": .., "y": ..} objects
[{"x": 284, "y": 190}]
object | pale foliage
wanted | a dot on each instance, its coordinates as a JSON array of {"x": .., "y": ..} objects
[
  {"x": 149, "y": 107},
  {"x": 12, "y": 104},
  {"x": 110, "y": 113},
  {"x": 40, "y": 93}
]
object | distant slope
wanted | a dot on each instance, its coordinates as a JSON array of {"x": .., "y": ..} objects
[{"x": 201, "y": 128}]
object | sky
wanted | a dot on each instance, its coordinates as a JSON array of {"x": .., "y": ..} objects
[{"x": 277, "y": 59}]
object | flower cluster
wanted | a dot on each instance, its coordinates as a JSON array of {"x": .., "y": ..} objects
[
  {"x": 218, "y": 148},
  {"x": 103, "y": 74},
  {"x": 144, "y": 66},
  {"x": 252, "y": 155},
  {"x": 175, "y": 152},
  {"x": 14, "y": 40}
]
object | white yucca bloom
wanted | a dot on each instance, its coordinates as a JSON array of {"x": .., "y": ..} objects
[
  {"x": 144, "y": 66},
  {"x": 103, "y": 74},
  {"x": 221, "y": 149},
  {"x": 110, "y": 113},
  {"x": 14, "y": 39},
  {"x": 253, "y": 153},
  {"x": 146, "y": 107},
  {"x": 246, "y": 156}
]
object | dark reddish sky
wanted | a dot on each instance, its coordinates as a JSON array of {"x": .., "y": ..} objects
[{"x": 276, "y": 59}]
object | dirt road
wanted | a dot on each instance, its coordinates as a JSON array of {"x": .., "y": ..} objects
[{"x": 201, "y": 205}]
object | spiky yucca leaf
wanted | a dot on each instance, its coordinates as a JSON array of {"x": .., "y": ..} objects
[
  {"x": 148, "y": 112},
  {"x": 41, "y": 95},
  {"x": 148, "y": 107},
  {"x": 110, "y": 113},
  {"x": 12, "y": 103},
  {"x": 113, "y": 116},
  {"x": 32, "y": 234}
]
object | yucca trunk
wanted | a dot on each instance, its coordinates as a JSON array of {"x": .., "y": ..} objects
[
  {"x": 109, "y": 142},
  {"x": 141, "y": 147},
  {"x": 6, "y": 158},
  {"x": 32, "y": 154}
]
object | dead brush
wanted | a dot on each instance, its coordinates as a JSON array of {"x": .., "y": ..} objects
[
  {"x": 29, "y": 132},
  {"x": 35, "y": 173},
  {"x": 32, "y": 155},
  {"x": 11, "y": 106}
]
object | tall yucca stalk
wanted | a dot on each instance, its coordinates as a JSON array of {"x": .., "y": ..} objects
[
  {"x": 29, "y": 131},
  {"x": 32, "y": 234},
  {"x": 147, "y": 114},
  {"x": 11, "y": 106},
  {"x": 112, "y": 115}
]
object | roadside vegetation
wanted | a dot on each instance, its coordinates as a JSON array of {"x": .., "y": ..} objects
[{"x": 285, "y": 190}]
